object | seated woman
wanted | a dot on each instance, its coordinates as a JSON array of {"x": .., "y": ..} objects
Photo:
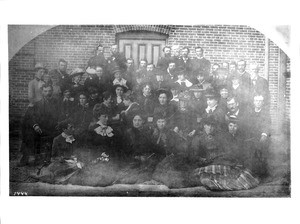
[
  {"x": 81, "y": 118},
  {"x": 100, "y": 132},
  {"x": 138, "y": 140},
  {"x": 205, "y": 146},
  {"x": 146, "y": 101},
  {"x": 132, "y": 109},
  {"x": 163, "y": 138},
  {"x": 119, "y": 90},
  {"x": 164, "y": 107},
  {"x": 225, "y": 170},
  {"x": 107, "y": 104},
  {"x": 63, "y": 144}
]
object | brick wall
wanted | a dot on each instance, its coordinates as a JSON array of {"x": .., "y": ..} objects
[{"x": 76, "y": 44}]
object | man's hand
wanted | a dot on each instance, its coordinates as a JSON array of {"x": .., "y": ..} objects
[{"x": 37, "y": 129}]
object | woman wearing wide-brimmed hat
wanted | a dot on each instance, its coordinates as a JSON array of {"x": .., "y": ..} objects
[
  {"x": 164, "y": 107},
  {"x": 76, "y": 86}
]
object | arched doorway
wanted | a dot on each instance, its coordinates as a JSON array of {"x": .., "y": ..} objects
[{"x": 142, "y": 45}]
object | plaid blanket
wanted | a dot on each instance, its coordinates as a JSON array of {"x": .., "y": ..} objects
[{"x": 221, "y": 177}]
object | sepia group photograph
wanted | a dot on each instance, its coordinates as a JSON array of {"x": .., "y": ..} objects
[{"x": 149, "y": 110}]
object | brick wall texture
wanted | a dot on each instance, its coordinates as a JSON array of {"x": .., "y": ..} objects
[{"x": 76, "y": 44}]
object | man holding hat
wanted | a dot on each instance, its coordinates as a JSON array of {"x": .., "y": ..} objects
[{"x": 34, "y": 86}]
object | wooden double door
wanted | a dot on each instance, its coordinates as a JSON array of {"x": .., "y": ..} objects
[{"x": 142, "y": 46}]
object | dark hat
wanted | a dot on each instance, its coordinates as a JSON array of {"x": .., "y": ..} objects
[
  {"x": 118, "y": 85},
  {"x": 76, "y": 72},
  {"x": 100, "y": 109},
  {"x": 92, "y": 90},
  {"x": 158, "y": 72},
  {"x": 39, "y": 66},
  {"x": 209, "y": 120},
  {"x": 158, "y": 116},
  {"x": 115, "y": 69},
  {"x": 210, "y": 93},
  {"x": 232, "y": 119},
  {"x": 223, "y": 87},
  {"x": 199, "y": 71},
  {"x": 180, "y": 70},
  {"x": 66, "y": 90},
  {"x": 197, "y": 88},
  {"x": 166, "y": 91}
]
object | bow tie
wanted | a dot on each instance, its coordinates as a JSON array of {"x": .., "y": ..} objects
[{"x": 104, "y": 131}]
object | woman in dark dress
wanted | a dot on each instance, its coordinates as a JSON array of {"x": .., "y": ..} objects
[{"x": 164, "y": 107}]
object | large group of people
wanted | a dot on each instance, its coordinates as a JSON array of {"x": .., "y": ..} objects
[{"x": 213, "y": 118}]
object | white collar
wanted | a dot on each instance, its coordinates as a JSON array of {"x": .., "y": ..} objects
[
  {"x": 69, "y": 138},
  {"x": 211, "y": 108}
]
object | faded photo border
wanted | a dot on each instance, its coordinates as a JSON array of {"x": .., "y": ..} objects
[{"x": 149, "y": 210}]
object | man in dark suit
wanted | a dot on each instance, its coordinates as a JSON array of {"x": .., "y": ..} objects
[
  {"x": 234, "y": 110},
  {"x": 259, "y": 85},
  {"x": 60, "y": 75},
  {"x": 43, "y": 121},
  {"x": 186, "y": 62},
  {"x": 259, "y": 124},
  {"x": 201, "y": 63},
  {"x": 116, "y": 59},
  {"x": 163, "y": 62},
  {"x": 243, "y": 75}
]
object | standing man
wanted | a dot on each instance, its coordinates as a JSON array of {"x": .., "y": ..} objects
[
  {"x": 163, "y": 62},
  {"x": 243, "y": 75},
  {"x": 186, "y": 62},
  {"x": 34, "y": 86},
  {"x": 116, "y": 59},
  {"x": 259, "y": 85},
  {"x": 259, "y": 135},
  {"x": 60, "y": 74},
  {"x": 98, "y": 59},
  {"x": 42, "y": 124},
  {"x": 200, "y": 63}
]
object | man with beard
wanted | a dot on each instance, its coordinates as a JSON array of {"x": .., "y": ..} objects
[
  {"x": 171, "y": 75},
  {"x": 60, "y": 75},
  {"x": 42, "y": 123},
  {"x": 186, "y": 62},
  {"x": 116, "y": 59},
  {"x": 201, "y": 63},
  {"x": 163, "y": 62},
  {"x": 235, "y": 111}
]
